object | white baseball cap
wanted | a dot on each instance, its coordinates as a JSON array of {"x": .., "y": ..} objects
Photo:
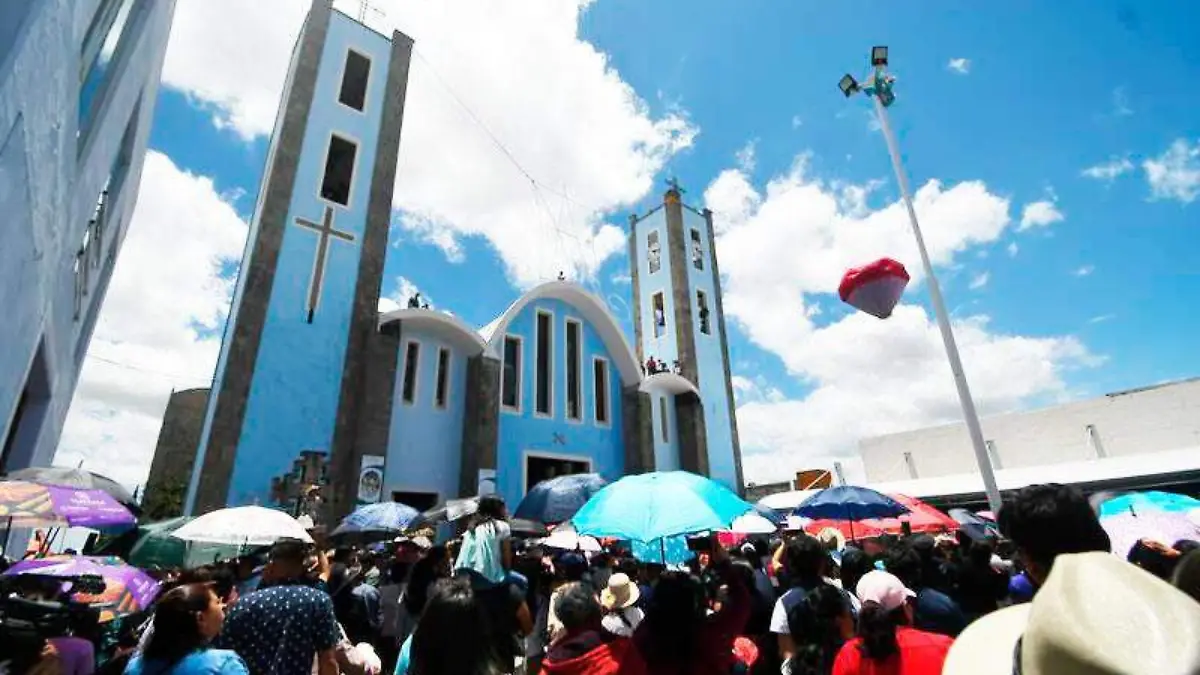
[{"x": 883, "y": 589}]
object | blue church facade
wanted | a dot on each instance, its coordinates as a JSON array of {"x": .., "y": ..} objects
[{"x": 320, "y": 403}]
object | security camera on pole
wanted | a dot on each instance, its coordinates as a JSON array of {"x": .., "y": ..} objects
[{"x": 878, "y": 88}]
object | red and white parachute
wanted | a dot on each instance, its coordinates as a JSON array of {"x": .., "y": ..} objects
[{"x": 874, "y": 288}]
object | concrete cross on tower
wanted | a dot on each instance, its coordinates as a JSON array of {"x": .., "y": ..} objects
[
  {"x": 673, "y": 183},
  {"x": 325, "y": 230},
  {"x": 365, "y": 6}
]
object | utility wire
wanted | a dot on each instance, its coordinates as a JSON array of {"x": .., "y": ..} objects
[{"x": 148, "y": 371}]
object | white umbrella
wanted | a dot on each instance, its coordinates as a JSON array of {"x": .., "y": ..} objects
[
  {"x": 243, "y": 526},
  {"x": 752, "y": 523},
  {"x": 565, "y": 537}
]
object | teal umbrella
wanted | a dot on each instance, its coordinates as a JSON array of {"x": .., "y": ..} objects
[
  {"x": 155, "y": 547},
  {"x": 650, "y": 506}
]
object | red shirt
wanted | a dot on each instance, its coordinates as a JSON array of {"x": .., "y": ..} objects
[{"x": 921, "y": 653}]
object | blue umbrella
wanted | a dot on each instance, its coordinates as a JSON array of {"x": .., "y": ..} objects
[
  {"x": 557, "y": 499},
  {"x": 850, "y": 502},
  {"x": 1136, "y": 503},
  {"x": 650, "y": 506},
  {"x": 977, "y": 528},
  {"x": 376, "y": 521}
]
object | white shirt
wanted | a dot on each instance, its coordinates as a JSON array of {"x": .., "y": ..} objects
[{"x": 614, "y": 624}]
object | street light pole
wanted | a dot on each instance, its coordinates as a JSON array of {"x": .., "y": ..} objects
[{"x": 880, "y": 92}]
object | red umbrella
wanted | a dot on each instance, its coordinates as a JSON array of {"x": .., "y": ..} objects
[
  {"x": 874, "y": 288},
  {"x": 921, "y": 518}
]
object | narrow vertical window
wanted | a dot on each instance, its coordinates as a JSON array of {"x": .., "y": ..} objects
[
  {"x": 574, "y": 365},
  {"x": 543, "y": 379},
  {"x": 653, "y": 252},
  {"x": 100, "y": 49},
  {"x": 412, "y": 355},
  {"x": 702, "y": 311},
  {"x": 697, "y": 250},
  {"x": 510, "y": 396},
  {"x": 660, "y": 315},
  {"x": 355, "y": 75},
  {"x": 662, "y": 413},
  {"x": 600, "y": 386},
  {"x": 339, "y": 170},
  {"x": 441, "y": 392}
]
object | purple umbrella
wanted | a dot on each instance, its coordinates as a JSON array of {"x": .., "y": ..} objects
[
  {"x": 1125, "y": 529},
  {"x": 127, "y": 589},
  {"x": 25, "y": 504}
]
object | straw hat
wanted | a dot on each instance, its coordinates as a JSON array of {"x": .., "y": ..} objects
[
  {"x": 832, "y": 539},
  {"x": 1096, "y": 614},
  {"x": 621, "y": 592}
]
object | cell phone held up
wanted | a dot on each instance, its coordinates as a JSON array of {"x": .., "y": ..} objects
[{"x": 700, "y": 543}]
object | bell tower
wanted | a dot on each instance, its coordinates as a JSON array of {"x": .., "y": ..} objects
[{"x": 679, "y": 323}]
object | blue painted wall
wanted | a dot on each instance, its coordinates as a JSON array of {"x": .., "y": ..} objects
[
  {"x": 666, "y": 455},
  {"x": 710, "y": 358},
  {"x": 664, "y": 347},
  {"x": 294, "y": 395},
  {"x": 522, "y": 432},
  {"x": 424, "y": 452}
]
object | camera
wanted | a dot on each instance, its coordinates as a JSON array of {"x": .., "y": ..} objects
[{"x": 36, "y": 607}]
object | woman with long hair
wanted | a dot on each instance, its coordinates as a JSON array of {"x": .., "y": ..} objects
[
  {"x": 186, "y": 619},
  {"x": 820, "y": 623},
  {"x": 886, "y": 643},
  {"x": 453, "y": 636}
]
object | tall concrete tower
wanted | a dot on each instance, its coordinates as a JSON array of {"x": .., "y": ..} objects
[
  {"x": 286, "y": 394},
  {"x": 678, "y": 318}
]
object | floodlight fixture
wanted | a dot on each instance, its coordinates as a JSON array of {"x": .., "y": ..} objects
[
  {"x": 848, "y": 85},
  {"x": 879, "y": 56}
]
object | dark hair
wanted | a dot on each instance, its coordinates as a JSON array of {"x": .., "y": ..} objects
[
  {"x": 979, "y": 555},
  {"x": 572, "y": 566},
  {"x": 176, "y": 630},
  {"x": 1152, "y": 560},
  {"x": 805, "y": 560},
  {"x": 1185, "y": 546},
  {"x": 221, "y": 579},
  {"x": 453, "y": 636},
  {"x": 291, "y": 551},
  {"x": 491, "y": 508},
  {"x": 877, "y": 628},
  {"x": 673, "y": 619},
  {"x": 855, "y": 563},
  {"x": 1187, "y": 574},
  {"x": 904, "y": 563},
  {"x": 813, "y": 623},
  {"x": 577, "y": 607},
  {"x": 1046, "y": 521},
  {"x": 425, "y": 572}
]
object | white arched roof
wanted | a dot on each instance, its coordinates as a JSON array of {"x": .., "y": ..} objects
[
  {"x": 590, "y": 307},
  {"x": 671, "y": 383},
  {"x": 447, "y": 326}
]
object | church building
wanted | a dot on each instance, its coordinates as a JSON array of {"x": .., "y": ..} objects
[{"x": 319, "y": 399}]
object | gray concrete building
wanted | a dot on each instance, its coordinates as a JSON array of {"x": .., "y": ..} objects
[
  {"x": 174, "y": 454},
  {"x": 78, "y": 83}
]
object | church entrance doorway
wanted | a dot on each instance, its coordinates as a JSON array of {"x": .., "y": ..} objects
[
  {"x": 421, "y": 501},
  {"x": 544, "y": 466}
]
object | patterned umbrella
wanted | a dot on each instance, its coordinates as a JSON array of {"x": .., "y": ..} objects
[
  {"x": 557, "y": 499},
  {"x": 127, "y": 589},
  {"x": 1126, "y": 529},
  {"x": 24, "y": 504},
  {"x": 375, "y": 522},
  {"x": 1141, "y": 502},
  {"x": 79, "y": 479}
]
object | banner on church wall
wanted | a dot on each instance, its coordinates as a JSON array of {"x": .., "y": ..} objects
[
  {"x": 370, "y": 479},
  {"x": 486, "y": 484}
]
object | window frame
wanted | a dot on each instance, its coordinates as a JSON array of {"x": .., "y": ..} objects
[
  {"x": 601, "y": 393},
  {"x": 441, "y": 382},
  {"x": 697, "y": 249},
  {"x": 662, "y": 414},
  {"x": 366, "y": 87},
  {"x": 520, "y": 392},
  {"x": 659, "y": 330},
  {"x": 578, "y": 363},
  {"x": 702, "y": 322},
  {"x": 412, "y": 366},
  {"x": 657, "y": 245},
  {"x": 550, "y": 375},
  {"x": 325, "y": 168}
]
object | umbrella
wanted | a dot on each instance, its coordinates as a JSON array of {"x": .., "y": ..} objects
[
  {"x": 976, "y": 527},
  {"x": 243, "y": 526},
  {"x": 375, "y": 522},
  {"x": 565, "y": 537},
  {"x": 127, "y": 589},
  {"x": 447, "y": 512},
  {"x": 1124, "y": 529},
  {"x": 26, "y": 504},
  {"x": 752, "y": 523},
  {"x": 58, "y": 476},
  {"x": 557, "y": 499},
  {"x": 1153, "y": 500},
  {"x": 648, "y": 506},
  {"x": 849, "y": 503},
  {"x": 154, "y": 546},
  {"x": 665, "y": 551}
]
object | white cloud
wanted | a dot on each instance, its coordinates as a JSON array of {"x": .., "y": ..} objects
[
  {"x": 797, "y": 122},
  {"x": 159, "y": 328},
  {"x": 959, "y": 65},
  {"x": 979, "y": 280},
  {"x": 1175, "y": 174},
  {"x": 1012, "y": 249},
  {"x": 398, "y": 298},
  {"x": 1102, "y": 318},
  {"x": 621, "y": 279},
  {"x": 551, "y": 99},
  {"x": 1121, "y": 103},
  {"x": 1110, "y": 170},
  {"x": 745, "y": 156},
  {"x": 1039, "y": 214},
  {"x": 867, "y": 376},
  {"x": 1084, "y": 271}
]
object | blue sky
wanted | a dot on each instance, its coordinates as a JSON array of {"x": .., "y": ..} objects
[{"x": 1003, "y": 105}]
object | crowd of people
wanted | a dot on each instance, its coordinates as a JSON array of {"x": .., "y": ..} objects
[{"x": 1047, "y": 596}]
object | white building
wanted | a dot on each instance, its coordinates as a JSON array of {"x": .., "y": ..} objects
[
  {"x": 1138, "y": 438},
  {"x": 78, "y": 82}
]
